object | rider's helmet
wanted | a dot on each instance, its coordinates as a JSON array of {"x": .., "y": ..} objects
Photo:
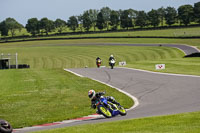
[
  {"x": 91, "y": 94},
  {"x": 111, "y": 55}
]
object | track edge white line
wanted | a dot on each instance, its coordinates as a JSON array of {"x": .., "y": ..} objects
[
  {"x": 161, "y": 73},
  {"x": 136, "y": 102}
]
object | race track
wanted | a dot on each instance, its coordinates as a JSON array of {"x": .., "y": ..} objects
[{"x": 157, "y": 93}]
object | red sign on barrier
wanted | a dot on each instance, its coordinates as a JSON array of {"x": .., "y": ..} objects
[{"x": 160, "y": 66}]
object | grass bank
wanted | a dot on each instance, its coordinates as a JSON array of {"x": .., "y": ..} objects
[
  {"x": 64, "y": 54},
  {"x": 192, "y": 42},
  {"x": 181, "y": 123}
]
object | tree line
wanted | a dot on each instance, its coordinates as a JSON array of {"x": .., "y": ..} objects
[{"x": 108, "y": 19}]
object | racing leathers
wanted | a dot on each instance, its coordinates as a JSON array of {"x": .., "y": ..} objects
[
  {"x": 98, "y": 59},
  {"x": 98, "y": 96},
  {"x": 111, "y": 58}
]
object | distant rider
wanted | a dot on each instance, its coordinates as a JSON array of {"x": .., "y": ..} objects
[
  {"x": 111, "y": 57},
  {"x": 96, "y": 96},
  {"x": 98, "y": 62},
  {"x": 98, "y": 58}
]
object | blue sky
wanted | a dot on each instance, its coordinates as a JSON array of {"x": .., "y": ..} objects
[{"x": 22, "y": 10}]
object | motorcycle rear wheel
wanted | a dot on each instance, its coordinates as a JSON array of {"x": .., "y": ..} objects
[{"x": 104, "y": 111}]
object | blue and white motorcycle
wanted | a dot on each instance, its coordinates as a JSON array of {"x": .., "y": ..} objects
[{"x": 109, "y": 109}]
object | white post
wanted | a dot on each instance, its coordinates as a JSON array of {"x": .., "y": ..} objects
[{"x": 16, "y": 62}]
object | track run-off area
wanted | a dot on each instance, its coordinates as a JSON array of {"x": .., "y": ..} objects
[{"x": 154, "y": 93}]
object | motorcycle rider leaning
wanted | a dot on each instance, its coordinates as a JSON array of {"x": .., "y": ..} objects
[{"x": 96, "y": 96}]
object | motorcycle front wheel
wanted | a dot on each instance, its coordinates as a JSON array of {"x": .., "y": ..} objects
[
  {"x": 104, "y": 111},
  {"x": 122, "y": 111}
]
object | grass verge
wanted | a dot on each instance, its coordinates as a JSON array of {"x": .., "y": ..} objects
[{"x": 181, "y": 123}]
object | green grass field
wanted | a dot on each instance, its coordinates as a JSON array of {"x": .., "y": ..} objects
[
  {"x": 45, "y": 93},
  {"x": 181, "y": 123},
  {"x": 179, "y": 32},
  {"x": 36, "y": 96},
  {"x": 54, "y": 54},
  {"x": 85, "y": 55}
]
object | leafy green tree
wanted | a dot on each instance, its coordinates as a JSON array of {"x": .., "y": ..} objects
[
  {"x": 120, "y": 14},
  {"x": 4, "y": 29},
  {"x": 185, "y": 14},
  {"x": 87, "y": 23},
  {"x": 80, "y": 22},
  {"x": 106, "y": 16},
  {"x": 13, "y": 25},
  {"x": 170, "y": 15},
  {"x": 153, "y": 17},
  {"x": 132, "y": 13},
  {"x": 20, "y": 27},
  {"x": 47, "y": 25},
  {"x": 126, "y": 20},
  {"x": 32, "y": 26},
  {"x": 100, "y": 21},
  {"x": 161, "y": 13},
  {"x": 73, "y": 23},
  {"x": 93, "y": 17},
  {"x": 197, "y": 12},
  {"x": 141, "y": 19},
  {"x": 60, "y": 25},
  {"x": 114, "y": 19}
]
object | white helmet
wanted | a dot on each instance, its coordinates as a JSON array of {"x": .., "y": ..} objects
[
  {"x": 91, "y": 94},
  {"x": 111, "y": 55}
]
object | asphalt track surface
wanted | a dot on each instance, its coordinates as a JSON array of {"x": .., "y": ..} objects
[{"x": 157, "y": 93}]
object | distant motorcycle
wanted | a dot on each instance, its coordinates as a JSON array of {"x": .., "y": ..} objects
[
  {"x": 98, "y": 63},
  {"x": 5, "y": 127},
  {"x": 108, "y": 109},
  {"x": 112, "y": 63}
]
